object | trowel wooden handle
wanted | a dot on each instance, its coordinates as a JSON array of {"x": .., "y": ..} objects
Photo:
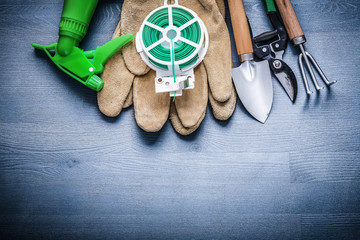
[
  {"x": 288, "y": 15},
  {"x": 240, "y": 27}
]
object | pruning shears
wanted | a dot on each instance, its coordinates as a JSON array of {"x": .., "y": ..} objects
[{"x": 271, "y": 46}]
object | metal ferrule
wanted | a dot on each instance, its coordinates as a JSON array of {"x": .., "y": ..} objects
[
  {"x": 299, "y": 40},
  {"x": 246, "y": 57}
]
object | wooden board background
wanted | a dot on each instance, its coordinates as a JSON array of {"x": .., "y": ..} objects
[{"x": 68, "y": 172}]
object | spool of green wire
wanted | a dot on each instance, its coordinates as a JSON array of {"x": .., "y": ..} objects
[
  {"x": 182, "y": 50},
  {"x": 173, "y": 40}
]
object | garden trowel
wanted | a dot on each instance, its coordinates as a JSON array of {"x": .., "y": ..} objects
[{"x": 252, "y": 79}]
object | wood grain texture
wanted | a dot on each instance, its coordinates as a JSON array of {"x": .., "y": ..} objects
[
  {"x": 290, "y": 19},
  {"x": 240, "y": 27},
  {"x": 67, "y": 172}
]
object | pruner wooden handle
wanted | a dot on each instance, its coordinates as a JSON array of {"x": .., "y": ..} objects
[
  {"x": 240, "y": 27},
  {"x": 290, "y": 19}
]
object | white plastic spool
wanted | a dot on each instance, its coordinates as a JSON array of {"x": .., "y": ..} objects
[{"x": 184, "y": 77}]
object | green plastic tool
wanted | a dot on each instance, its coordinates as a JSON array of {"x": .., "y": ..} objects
[
  {"x": 82, "y": 65},
  {"x": 270, "y": 6}
]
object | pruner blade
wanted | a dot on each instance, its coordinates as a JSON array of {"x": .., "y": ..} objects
[{"x": 285, "y": 76}]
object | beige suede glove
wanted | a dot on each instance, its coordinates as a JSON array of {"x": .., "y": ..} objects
[{"x": 126, "y": 70}]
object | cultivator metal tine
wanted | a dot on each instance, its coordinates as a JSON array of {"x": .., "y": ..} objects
[
  {"x": 321, "y": 73},
  {"x": 309, "y": 59},
  {"x": 308, "y": 91}
]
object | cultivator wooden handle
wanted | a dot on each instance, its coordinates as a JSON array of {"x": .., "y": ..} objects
[
  {"x": 240, "y": 27},
  {"x": 290, "y": 19},
  {"x": 297, "y": 36}
]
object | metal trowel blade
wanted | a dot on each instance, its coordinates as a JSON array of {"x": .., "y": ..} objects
[{"x": 254, "y": 87}]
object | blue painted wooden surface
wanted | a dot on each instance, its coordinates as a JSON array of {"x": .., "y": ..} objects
[{"x": 68, "y": 172}]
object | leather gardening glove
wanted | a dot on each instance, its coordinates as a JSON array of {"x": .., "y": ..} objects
[{"x": 212, "y": 77}]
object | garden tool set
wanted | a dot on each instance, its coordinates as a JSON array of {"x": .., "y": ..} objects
[{"x": 182, "y": 49}]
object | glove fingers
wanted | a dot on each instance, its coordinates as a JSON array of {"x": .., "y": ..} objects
[
  {"x": 151, "y": 109},
  {"x": 117, "y": 31},
  {"x": 191, "y": 105},
  {"x": 117, "y": 84},
  {"x": 218, "y": 65},
  {"x": 209, "y": 5},
  {"x": 223, "y": 110},
  {"x": 218, "y": 57},
  {"x": 132, "y": 16},
  {"x": 221, "y": 6},
  {"x": 177, "y": 125},
  {"x": 129, "y": 99}
]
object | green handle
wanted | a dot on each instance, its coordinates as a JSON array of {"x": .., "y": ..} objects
[
  {"x": 270, "y": 6},
  {"x": 84, "y": 66},
  {"x": 103, "y": 53}
]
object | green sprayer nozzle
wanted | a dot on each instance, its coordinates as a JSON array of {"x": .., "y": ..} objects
[{"x": 84, "y": 66}]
